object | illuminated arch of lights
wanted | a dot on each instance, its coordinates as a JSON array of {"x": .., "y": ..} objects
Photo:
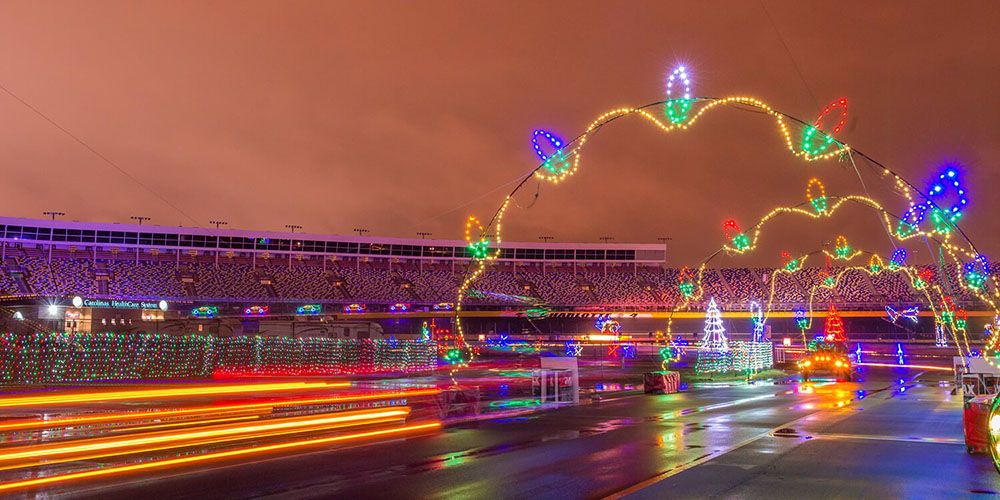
[{"x": 817, "y": 142}]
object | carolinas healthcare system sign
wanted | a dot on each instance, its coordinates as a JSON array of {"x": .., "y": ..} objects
[{"x": 118, "y": 304}]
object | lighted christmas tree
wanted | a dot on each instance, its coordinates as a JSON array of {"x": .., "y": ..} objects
[
  {"x": 713, "y": 354},
  {"x": 715, "y": 334},
  {"x": 834, "y": 328}
]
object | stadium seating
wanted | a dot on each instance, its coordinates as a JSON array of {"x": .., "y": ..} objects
[{"x": 203, "y": 278}]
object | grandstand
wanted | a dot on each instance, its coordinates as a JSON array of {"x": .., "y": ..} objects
[{"x": 60, "y": 259}]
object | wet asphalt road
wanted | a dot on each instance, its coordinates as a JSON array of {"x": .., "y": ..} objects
[{"x": 763, "y": 441}]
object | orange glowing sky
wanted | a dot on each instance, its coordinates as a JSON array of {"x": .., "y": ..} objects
[{"x": 406, "y": 116}]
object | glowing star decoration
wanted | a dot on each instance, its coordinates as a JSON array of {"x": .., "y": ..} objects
[
  {"x": 816, "y": 199},
  {"x": 478, "y": 248},
  {"x": 816, "y": 142},
  {"x": 677, "y": 108},
  {"x": 898, "y": 259},
  {"x": 733, "y": 233},
  {"x": 557, "y": 164},
  {"x": 834, "y": 328},
  {"x": 757, "y": 318}
]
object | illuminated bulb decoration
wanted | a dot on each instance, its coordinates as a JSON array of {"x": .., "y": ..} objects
[
  {"x": 801, "y": 321},
  {"x": 875, "y": 263},
  {"x": 818, "y": 202},
  {"x": 834, "y": 329},
  {"x": 842, "y": 249},
  {"x": 814, "y": 140},
  {"x": 788, "y": 262},
  {"x": 757, "y": 318},
  {"x": 677, "y": 108},
  {"x": 898, "y": 258},
  {"x": 909, "y": 313},
  {"x": 557, "y": 164},
  {"x": 478, "y": 248},
  {"x": 735, "y": 234}
]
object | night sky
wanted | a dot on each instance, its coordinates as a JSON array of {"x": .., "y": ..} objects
[{"x": 402, "y": 117}]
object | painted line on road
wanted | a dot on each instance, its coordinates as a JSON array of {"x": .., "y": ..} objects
[{"x": 906, "y": 439}]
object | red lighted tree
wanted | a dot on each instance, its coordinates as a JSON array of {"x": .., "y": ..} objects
[{"x": 834, "y": 328}]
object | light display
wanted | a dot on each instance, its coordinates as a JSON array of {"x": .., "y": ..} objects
[
  {"x": 205, "y": 312},
  {"x": 788, "y": 262},
  {"x": 677, "y": 108},
  {"x": 573, "y": 349},
  {"x": 735, "y": 235},
  {"x": 444, "y": 306},
  {"x": 751, "y": 357},
  {"x": 899, "y": 355},
  {"x": 857, "y": 354},
  {"x": 816, "y": 199},
  {"x": 46, "y": 358},
  {"x": 757, "y": 318},
  {"x": 713, "y": 353},
  {"x": 557, "y": 165},
  {"x": 909, "y": 313},
  {"x": 425, "y": 332},
  {"x": 256, "y": 310},
  {"x": 814, "y": 141},
  {"x": 309, "y": 310},
  {"x": 940, "y": 336},
  {"x": 834, "y": 328},
  {"x": 817, "y": 143},
  {"x": 993, "y": 436},
  {"x": 842, "y": 249},
  {"x": 399, "y": 307},
  {"x": 605, "y": 324},
  {"x": 477, "y": 243},
  {"x": 354, "y": 308}
]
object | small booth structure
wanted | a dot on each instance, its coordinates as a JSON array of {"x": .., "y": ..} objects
[{"x": 557, "y": 381}]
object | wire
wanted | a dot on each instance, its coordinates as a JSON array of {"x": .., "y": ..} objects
[
  {"x": 97, "y": 153},
  {"x": 789, "y": 52}
]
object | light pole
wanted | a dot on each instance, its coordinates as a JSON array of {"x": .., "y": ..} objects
[
  {"x": 218, "y": 223},
  {"x": 140, "y": 219},
  {"x": 54, "y": 214},
  {"x": 361, "y": 231},
  {"x": 546, "y": 238},
  {"x": 292, "y": 227},
  {"x": 423, "y": 234},
  {"x": 606, "y": 239}
]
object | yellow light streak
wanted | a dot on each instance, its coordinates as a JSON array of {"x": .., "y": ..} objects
[
  {"x": 91, "y": 397},
  {"x": 101, "y": 444},
  {"x": 202, "y": 410},
  {"x": 15, "y": 485}
]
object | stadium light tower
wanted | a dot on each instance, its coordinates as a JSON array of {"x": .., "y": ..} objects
[
  {"x": 292, "y": 227},
  {"x": 140, "y": 218},
  {"x": 546, "y": 238},
  {"x": 219, "y": 223},
  {"x": 606, "y": 239},
  {"x": 423, "y": 234},
  {"x": 54, "y": 214},
  {"x": 361, "y": 231}
]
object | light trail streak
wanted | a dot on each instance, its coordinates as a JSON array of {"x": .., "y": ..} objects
[
  {"x": 201, "y": 411},
  {"x": 84, "y": 397},
  {"x": 14, "y": 485},
  {"x": 186, "y": 437}
]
